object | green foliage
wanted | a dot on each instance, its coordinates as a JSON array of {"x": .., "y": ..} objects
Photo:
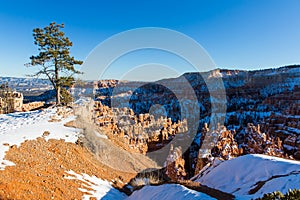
[
  {"x": 293, "y": 195},
  {"x": 290, "y": 195},
  {"x": 272, "y": 196},
  {"x": 67, "y": 81},
  {"x": 66, "y": 97},
  {"x": 54, "y": 57}
]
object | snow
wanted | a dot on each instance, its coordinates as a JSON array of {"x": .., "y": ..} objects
[
  {"x": 168, "y": 192},
  {"x": 207, "y": 168},
  {"x": 17, "y": 127},
  {"x": 95, "y": 187},
  {"x": 294, "y": 130},
  {"x": 238, "y": 176},
  {"x": 286, "y": 183},
  {"x": 289, "y": 148}
]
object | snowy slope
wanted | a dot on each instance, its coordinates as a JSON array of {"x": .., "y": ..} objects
[
  {"x": 167, "y": 192},
  {"x": 240, "y": 175},
  {"x": 95, "y": 187},
  {"x": 15, "y": 128}
]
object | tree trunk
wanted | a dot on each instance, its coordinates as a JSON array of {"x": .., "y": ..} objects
[
  {"x": 57, "y": 82},
  {"x": 57, "y": 95}
]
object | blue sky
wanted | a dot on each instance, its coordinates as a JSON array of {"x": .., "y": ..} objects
[{"x": 237, "y": 34}]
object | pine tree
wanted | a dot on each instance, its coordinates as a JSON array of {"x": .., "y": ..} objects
[
  {"x": 54, "y": 57},
  {"x": 277, "y": 195}
]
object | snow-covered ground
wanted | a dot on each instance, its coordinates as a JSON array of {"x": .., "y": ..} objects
[
  {"x": 101, "y": 189},
  {"x": 240, "y": 175},
  {"x": 17, "y": 127},
  {"x": 168, "y": 192},
  {"x": 95, "y": 187}
]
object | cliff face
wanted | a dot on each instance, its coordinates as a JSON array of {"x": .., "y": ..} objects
[{"x": 262, "y": 106}]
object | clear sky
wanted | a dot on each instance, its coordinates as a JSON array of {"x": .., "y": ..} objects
[{"x": 242, "y": 34}]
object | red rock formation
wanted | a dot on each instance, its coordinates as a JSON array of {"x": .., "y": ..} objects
[
  {"x": 32, "y": 105},
  {"x": 175, "y": 164},
  {"x": 262, "y": 143},
  {"x": 226, "y": 147},
  {"x": 138, "y": 132}
]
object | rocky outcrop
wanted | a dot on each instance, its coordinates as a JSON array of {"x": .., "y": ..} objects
[
  {"x": 140, "y": 133},
  {"x": 174, "y": 164},
  {"x": 32, "y": 105},
  {"x": 222, "y": 145},
  {"x": 226, "y": 147},
  {"x": 10, "y": 101},
  {"x": 257, "y": 142}
]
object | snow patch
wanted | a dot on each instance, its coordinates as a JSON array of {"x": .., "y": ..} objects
[
  {"x": 95, "y": 187},
  {"x": 168, "y": 192},
  {"x": 17, "y": 127},
  {"x": 240, "y": 175}
]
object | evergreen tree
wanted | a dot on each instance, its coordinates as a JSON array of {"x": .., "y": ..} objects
[
  {"x": 277, "y": 195},
  {"x": 54, "y": 57}
]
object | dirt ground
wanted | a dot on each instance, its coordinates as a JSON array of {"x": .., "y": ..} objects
[{"x": 41, "y": 167}]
